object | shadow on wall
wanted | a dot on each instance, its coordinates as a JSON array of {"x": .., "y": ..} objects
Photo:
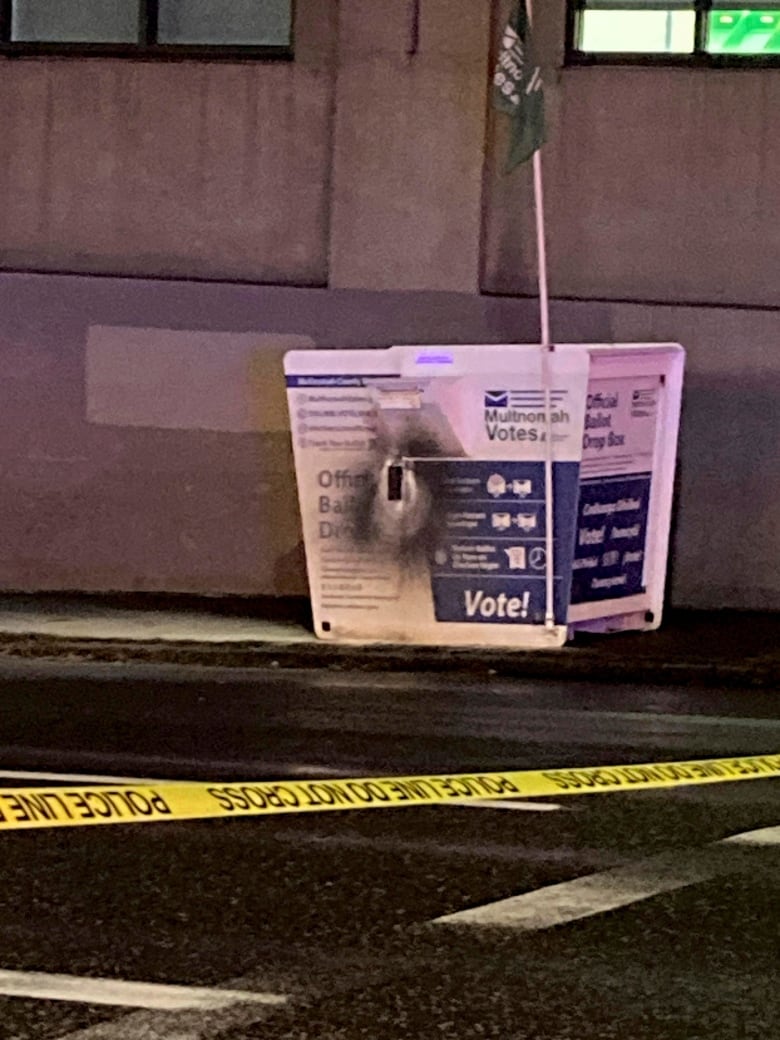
[
  {"x": 726, "y": 549},
  {"x": 516, "y": 320},
  {"x": 112, "y": 507}
]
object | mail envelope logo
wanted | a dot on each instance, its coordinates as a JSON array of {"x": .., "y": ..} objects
[{"x": 496, "y": 398}]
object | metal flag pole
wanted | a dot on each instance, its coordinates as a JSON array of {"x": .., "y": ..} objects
[
  {"x": 519, "y": 93},
  {"x": 547, "y": 349}
]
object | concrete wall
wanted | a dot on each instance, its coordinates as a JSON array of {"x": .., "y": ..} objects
[
  {"x": 111, "y": 491},
  {"x": 171, "y": 168},
  {"x": 358, "y": 164},
  {"x": 727, "y": 543},
  {"x": 113, "y": 481},
  {"x": 409, "y": 145},
  {"x": 661, "y": 184},
  {"x": 370, "y": 165}
]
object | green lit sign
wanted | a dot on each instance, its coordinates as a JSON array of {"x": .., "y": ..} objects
[
  {"x": 649, "y": 29},
  {"x": 744, "y": 32}
]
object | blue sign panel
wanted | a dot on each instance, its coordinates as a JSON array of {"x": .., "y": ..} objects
[
  {"x": 609, "y": 550},
  {"x": 488, "y": 559}
]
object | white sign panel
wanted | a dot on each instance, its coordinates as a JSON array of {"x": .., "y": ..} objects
[
  {"x": 618, "y": 447},
  {"x": 421, "y": 478},
  {"x": 421, "y": 482}
]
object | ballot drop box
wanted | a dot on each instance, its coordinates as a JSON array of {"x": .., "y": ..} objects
[{"x": 494, "y": 495}]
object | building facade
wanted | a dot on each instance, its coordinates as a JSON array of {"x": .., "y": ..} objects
[{"x": 174, "y": 220}]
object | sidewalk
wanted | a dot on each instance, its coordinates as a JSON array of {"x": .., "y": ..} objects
[{"x": 721, "y": 648}]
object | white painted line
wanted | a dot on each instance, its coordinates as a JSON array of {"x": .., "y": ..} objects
[
  {"x": 651, "y": 719},
  {"x": 190, "y": 1023},
  {"x": 126, "y": 994},
  {"x": 612, "y": 889},
  {"x": 91, "y": 778},
  {"x": 763, "y": 836},
  {"x": 305, "y": 771},
  {"x": 85, "y": 778},
  {"x": 583, "y": 897},
  {"x": 488, "y": 803}
]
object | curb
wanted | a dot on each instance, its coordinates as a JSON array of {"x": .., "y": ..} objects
[{"x": 587, "y": 664}]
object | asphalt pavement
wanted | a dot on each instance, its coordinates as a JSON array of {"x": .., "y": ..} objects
[{"x": 648, "y": 914}]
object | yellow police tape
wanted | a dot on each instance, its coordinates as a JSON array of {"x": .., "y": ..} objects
[{"x": 22, "y": 808}]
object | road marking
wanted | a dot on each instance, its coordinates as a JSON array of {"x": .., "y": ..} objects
[
  {"x": 762, "y": 836},
  {"x": 192, "y": 1022},
  {"x": 85, "y": 778},
  {"x": 93, "y": 778},
  {"x": 151, "y": 996},
  {"x": 612, "y": 889},
  {"x": 651, "y": 719},
  {"x": 487, "y": 803}
]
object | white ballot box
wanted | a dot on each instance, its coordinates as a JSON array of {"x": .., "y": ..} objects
[{"x": 495, "y": 495}]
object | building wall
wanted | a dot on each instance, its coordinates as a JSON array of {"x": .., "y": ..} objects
[
  {"x": 365, "y": 179},
  {"x": 212, "y": 169},
  {"x": 409, "y": 145},
  {"x": 107, "y": 485},
  {"x": 661, "y": 184},
  {"x": 727, "y": 542},
  {"x": 120, "y": 471},
  {"x": 360, "y": 164}
]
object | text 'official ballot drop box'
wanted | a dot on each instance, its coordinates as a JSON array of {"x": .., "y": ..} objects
[{"x": 425, "y": 475}]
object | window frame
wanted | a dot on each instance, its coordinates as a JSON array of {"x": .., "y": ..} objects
[
  {"x": 147, "y": 48},
  {"x": 698, "y": 58}
]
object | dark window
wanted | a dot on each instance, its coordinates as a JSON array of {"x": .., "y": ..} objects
[
  {"x": 147, "y": 28},
  {"x": 220, "y": 22},
  {"x": 75, "y": 21},
  {"x": 703, "y": 31}
]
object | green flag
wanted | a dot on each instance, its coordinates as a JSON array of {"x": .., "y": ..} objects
[{"x": 517, "y": 88}]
